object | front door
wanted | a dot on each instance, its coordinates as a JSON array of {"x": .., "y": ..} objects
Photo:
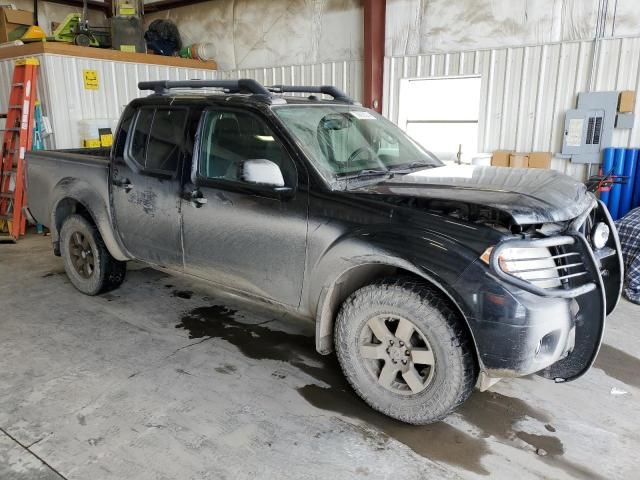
[
  {"x": 145, "y": 183},
  {"x": 245, "y": 236}
]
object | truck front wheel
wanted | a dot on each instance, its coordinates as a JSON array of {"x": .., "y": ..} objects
[
  {"x": 405, "y": 351},
  {"x": 88, "y": 263}
]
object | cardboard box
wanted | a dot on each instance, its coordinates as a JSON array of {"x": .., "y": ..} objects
[
  {"x": 540, "y": 159},
  {"x": 10, "y": 20},
  {"x": 519, "y": 160},
  {"x": 627, "y": 101},
  {"x": 500, "y": 158}
]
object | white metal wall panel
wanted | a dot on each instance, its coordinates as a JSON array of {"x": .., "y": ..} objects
[
  {"x": 526, "y": 90},
  {"x": 347, "y": 75},
  {"x": 65, "y": 100}
]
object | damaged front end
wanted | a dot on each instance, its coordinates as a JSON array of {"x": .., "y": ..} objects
[{"x": 552, "y": 292}]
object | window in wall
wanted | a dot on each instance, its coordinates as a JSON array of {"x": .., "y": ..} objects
[{"x": 442, "y": 115}]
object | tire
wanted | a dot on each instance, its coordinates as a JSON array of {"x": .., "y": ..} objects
[
  {"x": 445, "y": 370},
  {"x": 82, "y": 40},
  {"x": 81, "y": 244}
]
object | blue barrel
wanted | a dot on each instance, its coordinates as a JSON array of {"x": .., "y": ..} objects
[
  {"x": 607, "y": 169},
  {"x": 616, "y": 189},
  {"x": 635, "y": 202},
  {"x": 626, "y": 191}
]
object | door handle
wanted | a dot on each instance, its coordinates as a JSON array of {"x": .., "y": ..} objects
[
  {"x": 123, "y": 183},
  {"x": 195, "y": 197}
]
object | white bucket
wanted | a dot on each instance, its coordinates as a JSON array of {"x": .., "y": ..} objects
[
  {"x": 484, "y": 159},
  {"x": 206, "y": 51}
]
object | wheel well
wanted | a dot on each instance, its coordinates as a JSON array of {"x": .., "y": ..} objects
[
  {"x": 65, "y": 208},
  {"x": 356, "y": 278}
]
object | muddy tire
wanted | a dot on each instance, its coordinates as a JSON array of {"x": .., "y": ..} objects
[
  {"x": 88, "y": 263},
  {"x": 405, "y": 351}
]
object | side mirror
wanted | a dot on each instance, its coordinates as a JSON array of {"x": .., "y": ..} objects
[{"x": 263, "y": 172}]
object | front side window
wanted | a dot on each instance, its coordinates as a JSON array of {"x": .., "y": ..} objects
[
  {"x": 343, "y": 141},
  {"x": 158, "y": 139},
  {"x": 231, "y": 138}
]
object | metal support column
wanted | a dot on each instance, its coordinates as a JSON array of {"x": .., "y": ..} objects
[{"x": 374, "y": 36}]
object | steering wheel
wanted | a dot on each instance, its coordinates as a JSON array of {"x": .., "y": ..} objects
[{"x": 358, "y": 151}]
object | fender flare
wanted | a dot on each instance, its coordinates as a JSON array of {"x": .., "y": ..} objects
[
  {"x": 81, "y": 192},
  {"x": 330, "y": 296}
]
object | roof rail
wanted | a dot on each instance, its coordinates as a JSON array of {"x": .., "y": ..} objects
[
  {"x": 244, "y": 85},
  {"x": 247, "y": 86},
  {"x": 330, "y": 90}
]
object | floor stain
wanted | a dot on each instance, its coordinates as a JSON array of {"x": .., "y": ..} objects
[
  {"x": 226, "y": 369},
  {"x": 109, "y": 297},
  {"x": 52, "y": 274},
  {"x": 186, "y": 294},
  {"x": 552, "y": 445},
  {"x": 494, "y": 414},
  {"x": 619, "y": 365},
  {"x": 439, "y": 442}
]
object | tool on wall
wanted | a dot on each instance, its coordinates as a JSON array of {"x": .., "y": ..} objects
[{"x": 17, "y": 139}]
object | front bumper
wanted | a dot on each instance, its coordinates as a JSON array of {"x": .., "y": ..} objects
[{"x": 519, "y": 328}]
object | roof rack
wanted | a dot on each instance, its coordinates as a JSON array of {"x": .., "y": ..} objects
[
  {"x": 246, "y": 86},
  {"x": 330, "y": 90}
]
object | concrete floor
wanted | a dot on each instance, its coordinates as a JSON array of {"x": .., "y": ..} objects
[{"x": 165, "y": 379}]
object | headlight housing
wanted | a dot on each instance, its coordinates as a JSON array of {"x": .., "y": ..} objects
[
  {"x": 532, "y": 264},
  {"x": 600, "y": 235}
]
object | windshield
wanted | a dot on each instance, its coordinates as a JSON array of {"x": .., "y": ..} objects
[{"x": 345, "y": 142}]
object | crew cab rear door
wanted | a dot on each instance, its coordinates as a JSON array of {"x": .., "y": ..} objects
[
  {"x": 241, "y": 235},
  {"x": 146, "y": 182}
]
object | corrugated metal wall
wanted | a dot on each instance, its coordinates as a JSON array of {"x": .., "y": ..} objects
[
  {"x": 345, "y": 75},
  {"x": 65, "y": 100},
  {"x": 526, "y": 90}
]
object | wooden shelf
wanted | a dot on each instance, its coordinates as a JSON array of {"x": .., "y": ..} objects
[{"x": 59, "y": 48}]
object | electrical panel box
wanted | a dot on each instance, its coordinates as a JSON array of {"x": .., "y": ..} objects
[{"x": 589, "y": 128}]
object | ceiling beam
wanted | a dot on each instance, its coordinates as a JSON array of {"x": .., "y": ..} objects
[
  {"x": 163, "y": 5},
  {"x": 374, "y": 36},
  {"x": 105, "y": 7}
]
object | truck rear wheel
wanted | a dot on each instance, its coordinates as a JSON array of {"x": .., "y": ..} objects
[
  {"x": 405, "y": 351},
  {"x": 88, "y": 263}
]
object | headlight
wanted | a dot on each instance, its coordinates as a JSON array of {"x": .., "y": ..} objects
[
  {"x": 600, "y": 235},
  {"x": 535, "y": 265}
]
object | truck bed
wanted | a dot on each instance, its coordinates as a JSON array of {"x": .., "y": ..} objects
[{"x": 52, "y": 173}]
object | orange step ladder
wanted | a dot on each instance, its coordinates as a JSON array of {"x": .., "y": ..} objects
[{"x": 17, "y": 139}]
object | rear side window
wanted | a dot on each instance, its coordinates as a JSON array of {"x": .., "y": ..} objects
[
  {"x": 123, "y": 132},
  {"x": 158, "y": 139}
]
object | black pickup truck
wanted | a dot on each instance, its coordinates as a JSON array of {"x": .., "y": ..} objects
[{"x": 426, "y": 279}]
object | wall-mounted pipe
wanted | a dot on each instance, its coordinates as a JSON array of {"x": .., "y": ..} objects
[
  {"x": 618, "y": 171},
  {"x": 626, "y": 190},
  {"x": 607, "y": 169}
]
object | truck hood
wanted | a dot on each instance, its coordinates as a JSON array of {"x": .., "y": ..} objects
[{"x": 529, "y": 196}]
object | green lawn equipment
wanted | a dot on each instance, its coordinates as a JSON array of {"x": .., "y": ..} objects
[{"x": 75, "y": 29}]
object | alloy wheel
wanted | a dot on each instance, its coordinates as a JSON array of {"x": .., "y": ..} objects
[
  {"x": 397, "y": 354},
  {"x": 81, "y": 253}
]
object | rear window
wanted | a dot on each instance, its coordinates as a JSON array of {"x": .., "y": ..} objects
[{"x": 158, "y": 139}]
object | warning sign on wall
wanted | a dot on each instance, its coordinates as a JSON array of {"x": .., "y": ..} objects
[{"x": 90, "y": 79}]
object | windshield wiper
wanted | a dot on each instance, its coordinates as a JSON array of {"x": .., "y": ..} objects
[
  {"x": 408, "y": 168},
  {"x": 367, "y": 172}
]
